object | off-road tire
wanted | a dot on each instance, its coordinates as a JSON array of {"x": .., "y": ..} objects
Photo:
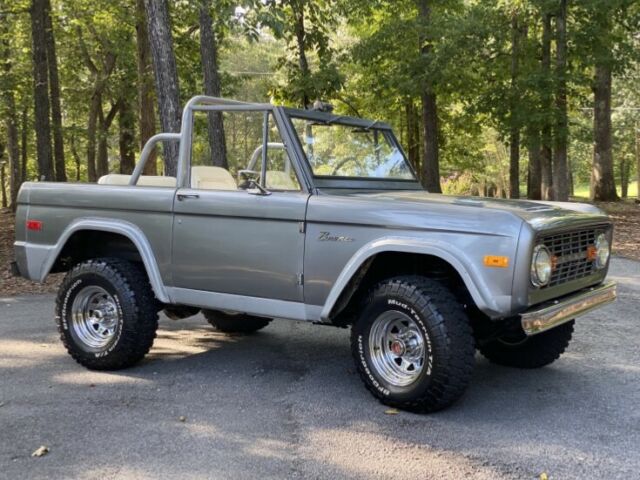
[
  {"x": 530, "y": 352},
  {"x": 235, "y": 323},
  {"x": 137, "y": 322},
  {"x": 449, "y": 360}
]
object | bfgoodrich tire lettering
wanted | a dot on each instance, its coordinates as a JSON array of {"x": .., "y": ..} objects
[
  {"x": 125, "y": 288},
  {"x": 432, "y": 365}
]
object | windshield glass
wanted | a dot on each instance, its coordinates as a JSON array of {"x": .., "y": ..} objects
[{"x": 340, "y": 150}]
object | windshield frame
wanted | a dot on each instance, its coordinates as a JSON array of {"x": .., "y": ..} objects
[{"x": 332, "y": 181}]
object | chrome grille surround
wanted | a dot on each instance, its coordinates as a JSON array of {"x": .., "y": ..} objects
[{"x": 569, "y": 250}]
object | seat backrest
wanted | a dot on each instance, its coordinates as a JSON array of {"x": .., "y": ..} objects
[
  {"x": 278, "y": 180},
  {"x": 212, "y": 178},
  {"x": 143, "y": 180}
]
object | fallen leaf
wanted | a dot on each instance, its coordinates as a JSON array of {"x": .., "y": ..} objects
[
  {"x": 40, "y": 452},
  {"x": 544, "y": 476},
  {"x": 182, "y": 418},
  {"x": 391, "y": 411}
]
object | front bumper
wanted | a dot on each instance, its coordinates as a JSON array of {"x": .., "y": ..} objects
[{"x": 562, "y": 310}]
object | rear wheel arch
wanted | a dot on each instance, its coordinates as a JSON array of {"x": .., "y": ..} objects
[{"x": 94, "y": 238}]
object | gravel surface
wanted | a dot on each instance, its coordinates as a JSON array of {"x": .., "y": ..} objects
[{"x": 286, "y": 403}]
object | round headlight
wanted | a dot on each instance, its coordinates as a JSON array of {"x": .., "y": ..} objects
[
  {"x": 602, "y": 251},
  {"x": 541, "y": 266}
]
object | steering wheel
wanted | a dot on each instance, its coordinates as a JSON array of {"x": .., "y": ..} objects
[{"x": 343, "y": 162}]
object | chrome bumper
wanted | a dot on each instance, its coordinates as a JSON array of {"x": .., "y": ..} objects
[{"x": 566, "y": 309}]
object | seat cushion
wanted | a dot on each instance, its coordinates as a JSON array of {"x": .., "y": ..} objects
[
  {"x": 144, "y": 180},
  {"x": 212, "y": 178}
]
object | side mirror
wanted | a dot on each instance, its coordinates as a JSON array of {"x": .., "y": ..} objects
[{"x": 256, "y": 189}]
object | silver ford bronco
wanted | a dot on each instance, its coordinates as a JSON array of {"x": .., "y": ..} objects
[{"x": 310, "y": 216}]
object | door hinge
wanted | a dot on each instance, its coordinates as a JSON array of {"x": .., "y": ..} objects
[
  {"x": 300, "y": 278},
  {"x": 301, "y": 227}
]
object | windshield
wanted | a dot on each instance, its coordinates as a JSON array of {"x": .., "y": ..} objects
[{"x": 340, "y": 150}]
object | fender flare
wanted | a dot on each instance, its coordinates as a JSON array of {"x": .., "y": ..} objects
[
  {"x": 472, "y": 278},
  {"x": 124, "y": 228}
]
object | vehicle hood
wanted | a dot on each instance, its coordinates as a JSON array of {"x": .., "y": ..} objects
[{"x": 540, "y": 215}]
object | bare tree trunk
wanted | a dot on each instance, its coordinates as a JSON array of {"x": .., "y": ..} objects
[
  {"x": 92, "y": 128},
  {"x": 209, "y": 58},
  {"x": 166, "y": 75},
  {"x": 24, "y": 142},
  {"x": 54, "y": 87},
  {"x": 10, "y": 114},
  {"x": 625, "y": 168},
  {"x": 126, "y": 137},
  {"x": 431, "y": 163},
  {"x": 3, "y": 177},
  {"x": 603, "y": 187},
  {"x": 76, "y": 156},
  {"x": 514, "y": 135},
  {"x": 570, "y": 178},
  {"x": 41, "y": 91},
  {"x": 146, "y": 107},
  {"x": 104, "y": 125},
  {"x": 413, "y": 135},
  {"x": 638, "y": 158},
  {"x": 546, "y": 153},
  {"x": 303, "y": 63},
  {"x": 560, "y": 175},
  {"x": 533, "y": 183}
]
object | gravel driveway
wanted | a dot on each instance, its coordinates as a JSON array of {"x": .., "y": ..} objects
[{"x": 287, "y": 403}]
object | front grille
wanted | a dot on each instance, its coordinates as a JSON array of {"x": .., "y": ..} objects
[{"x": 569, "y": 250}]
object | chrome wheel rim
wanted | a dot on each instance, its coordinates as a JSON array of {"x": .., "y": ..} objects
[
  {"x": 397, "y": 348},
  {"x": 94, "y": 317}
]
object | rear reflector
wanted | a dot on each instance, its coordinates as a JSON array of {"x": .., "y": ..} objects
[{"x": 35, "y": 225}]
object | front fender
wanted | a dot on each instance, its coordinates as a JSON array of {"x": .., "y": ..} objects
[
  {"x": 494, "y": 305},
  {"x": 41, "y": 258}
]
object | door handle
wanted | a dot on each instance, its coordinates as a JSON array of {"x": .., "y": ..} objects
[{"x": 184, "y": 196}]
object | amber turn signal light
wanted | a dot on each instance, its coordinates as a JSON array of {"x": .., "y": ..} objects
[{"x": 496, "y": 261}]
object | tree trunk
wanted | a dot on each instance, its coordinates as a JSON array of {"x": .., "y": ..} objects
[
  {"x": 24, "y": 142},
  {"x": 625, "y": 168},
  {"x": 41, "y": 91},
  {"x": 54, "y": 87},
  {"x": 546, "y": 177},
  {"x": 430, "y": 164},
  {"x": 76, "y": 156},
  {"x": 560, "y": 174},
  {"x": 10, "y": 114},
  {"x": 603, "y": 187},
  {"x": 638, "y": 158},
  {"x": 413, "y": 134},
  {"x": 209, "y": 58},
  {"x": 303, "y": 63},
  {"x": 92, "y": 128},
  {"x": 126, "y": 137},
  {"x": 104, "y": 124},
  {"x": 166, "y": 75},
  {"x": 146, "y": 108},
  {"x": 533, "y": 183},
  {"x": 3, "y": 177},
  {"x": 514, "y": 135}
]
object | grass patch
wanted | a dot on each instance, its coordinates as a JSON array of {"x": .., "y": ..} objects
[{"x": 583, "y": 190}]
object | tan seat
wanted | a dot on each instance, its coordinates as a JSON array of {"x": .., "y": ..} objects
[
  {"x": 212, "y": 178},
  {"x": 278, "y": 180},
  {"x": 144, "y": 180}
]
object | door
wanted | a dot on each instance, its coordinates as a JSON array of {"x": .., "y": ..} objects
[{"x": 229, "y": 235}]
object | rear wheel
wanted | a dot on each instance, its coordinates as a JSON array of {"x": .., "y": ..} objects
[
  {"x": 235, "y": 323},
  {"x": 413, "y": 345},
  {"x": 107, "y": 314},
  {"x": 520, "y": 351}
]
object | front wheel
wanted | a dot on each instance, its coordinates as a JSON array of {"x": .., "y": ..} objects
[
  {"x": 106, "y": 313},
  {"x": 413, "y": 344},
  {"x": 518, "y": 350}
]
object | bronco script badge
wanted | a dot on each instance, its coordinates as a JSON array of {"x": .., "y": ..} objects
[{"x": 327, "y": 237}]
